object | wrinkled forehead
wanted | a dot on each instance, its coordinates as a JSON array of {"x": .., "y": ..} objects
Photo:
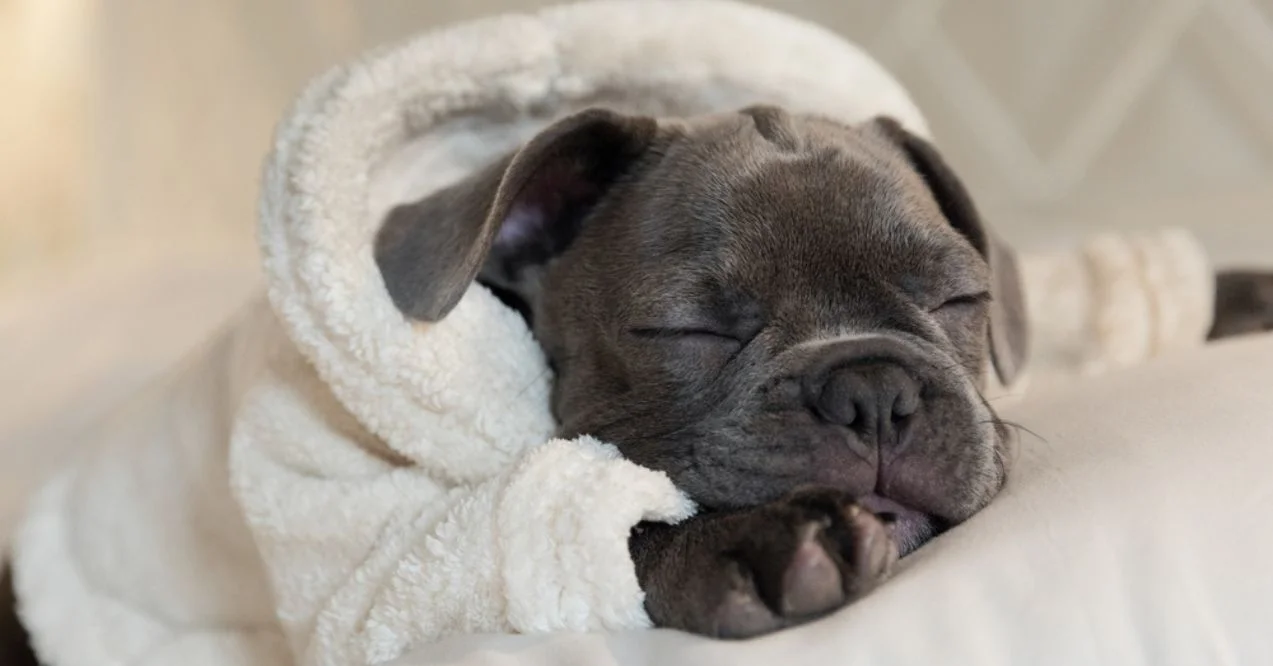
[{"x": 832, "y": 203}]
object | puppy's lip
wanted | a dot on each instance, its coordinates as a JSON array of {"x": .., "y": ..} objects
[{"x": 910, "y": 528}]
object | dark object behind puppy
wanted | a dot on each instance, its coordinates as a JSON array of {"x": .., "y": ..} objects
[
  {"x": 1244, "y": 304},
  {"x": 789, "y": 316},
  {"x": 15, "y": 643}
]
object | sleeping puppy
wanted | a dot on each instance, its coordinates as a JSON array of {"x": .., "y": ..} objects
[{"x": 791, "y": 317}]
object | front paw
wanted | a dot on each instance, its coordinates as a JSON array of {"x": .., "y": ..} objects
[
  {"x": 1244, "y": 304},
  {"x": 741, "y": 574}
]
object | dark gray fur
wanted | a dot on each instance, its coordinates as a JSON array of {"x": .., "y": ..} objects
[{"x": 788, "y": 315}]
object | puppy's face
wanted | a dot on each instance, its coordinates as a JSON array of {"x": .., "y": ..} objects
[{"x": 751, "y": 302}]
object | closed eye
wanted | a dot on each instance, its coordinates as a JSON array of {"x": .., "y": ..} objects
[
  {"x": 657, "y": 333},
  {"x": 966, "y": 300}
]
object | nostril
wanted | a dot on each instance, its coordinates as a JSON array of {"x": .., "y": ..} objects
[
  {"x": 836, "y": 403},
  {"x": 906, "y": 404},
  {"x": 847, "y": 414}
]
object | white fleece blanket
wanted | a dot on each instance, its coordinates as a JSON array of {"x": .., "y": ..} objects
[{"x": 329, "y": 483}]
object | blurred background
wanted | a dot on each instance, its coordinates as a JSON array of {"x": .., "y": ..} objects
[{"x": 132, "y": 133}]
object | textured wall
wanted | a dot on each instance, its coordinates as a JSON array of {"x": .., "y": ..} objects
[{"x": 1058, "y": 113}]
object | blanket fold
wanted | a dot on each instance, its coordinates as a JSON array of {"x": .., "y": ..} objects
[
  {"x": 370, "y": 555},
  {"x": 330, "y": 483}
]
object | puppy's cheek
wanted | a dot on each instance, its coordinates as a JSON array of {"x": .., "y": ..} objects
[
  {"x": 684, "y": 365},
  {"x": 717, "y": 465},
  {"x": 589, "y": 385}
]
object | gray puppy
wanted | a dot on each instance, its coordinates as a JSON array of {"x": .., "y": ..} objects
[{"x": 789, "y": 316}]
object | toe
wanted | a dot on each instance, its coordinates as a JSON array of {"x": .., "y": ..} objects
[
  {"x": 874, "y": 551},
  {"x": 812, "y": 583},
  {"x": 741, "y": 613}
]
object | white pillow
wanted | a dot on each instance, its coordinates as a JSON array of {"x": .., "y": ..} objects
[{"x": 1138, "y": 530}]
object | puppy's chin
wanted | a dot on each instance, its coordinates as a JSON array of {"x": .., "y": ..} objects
[{"x": 910, "y": 528}]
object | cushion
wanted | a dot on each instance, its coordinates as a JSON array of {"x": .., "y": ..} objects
[{"x": 1137, "y": 527}]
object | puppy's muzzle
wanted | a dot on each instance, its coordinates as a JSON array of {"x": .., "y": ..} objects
[{"x": 881, "y": 390}]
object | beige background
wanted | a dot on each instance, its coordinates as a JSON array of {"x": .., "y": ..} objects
[
  {"x": 147, "y": 119},
  {"x": 132, "y": 134}
]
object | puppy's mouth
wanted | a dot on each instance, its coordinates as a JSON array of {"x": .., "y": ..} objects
[{"x": 911, "y": 528}]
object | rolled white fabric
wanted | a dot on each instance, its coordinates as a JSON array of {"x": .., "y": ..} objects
[{"x": 1117, "y": 300}]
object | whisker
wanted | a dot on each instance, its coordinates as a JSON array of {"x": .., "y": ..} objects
[{"x": 1017, "y": 426}]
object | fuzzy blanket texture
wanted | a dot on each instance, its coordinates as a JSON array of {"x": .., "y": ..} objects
[{"x": 330, "y": 483}]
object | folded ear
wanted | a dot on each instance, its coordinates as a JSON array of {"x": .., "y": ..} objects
[
  {"x": 1009, "y": 328},
  {"x": 514, "y": 215}
]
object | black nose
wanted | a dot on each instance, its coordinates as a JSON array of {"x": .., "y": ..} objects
[{"x": 875, "y": 397}]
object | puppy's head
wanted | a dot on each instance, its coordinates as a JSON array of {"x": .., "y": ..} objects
[{"x": 750, "y": 302}]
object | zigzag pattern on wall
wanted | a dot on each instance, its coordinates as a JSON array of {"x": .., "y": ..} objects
[{"x": 1048, "y": 102}]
